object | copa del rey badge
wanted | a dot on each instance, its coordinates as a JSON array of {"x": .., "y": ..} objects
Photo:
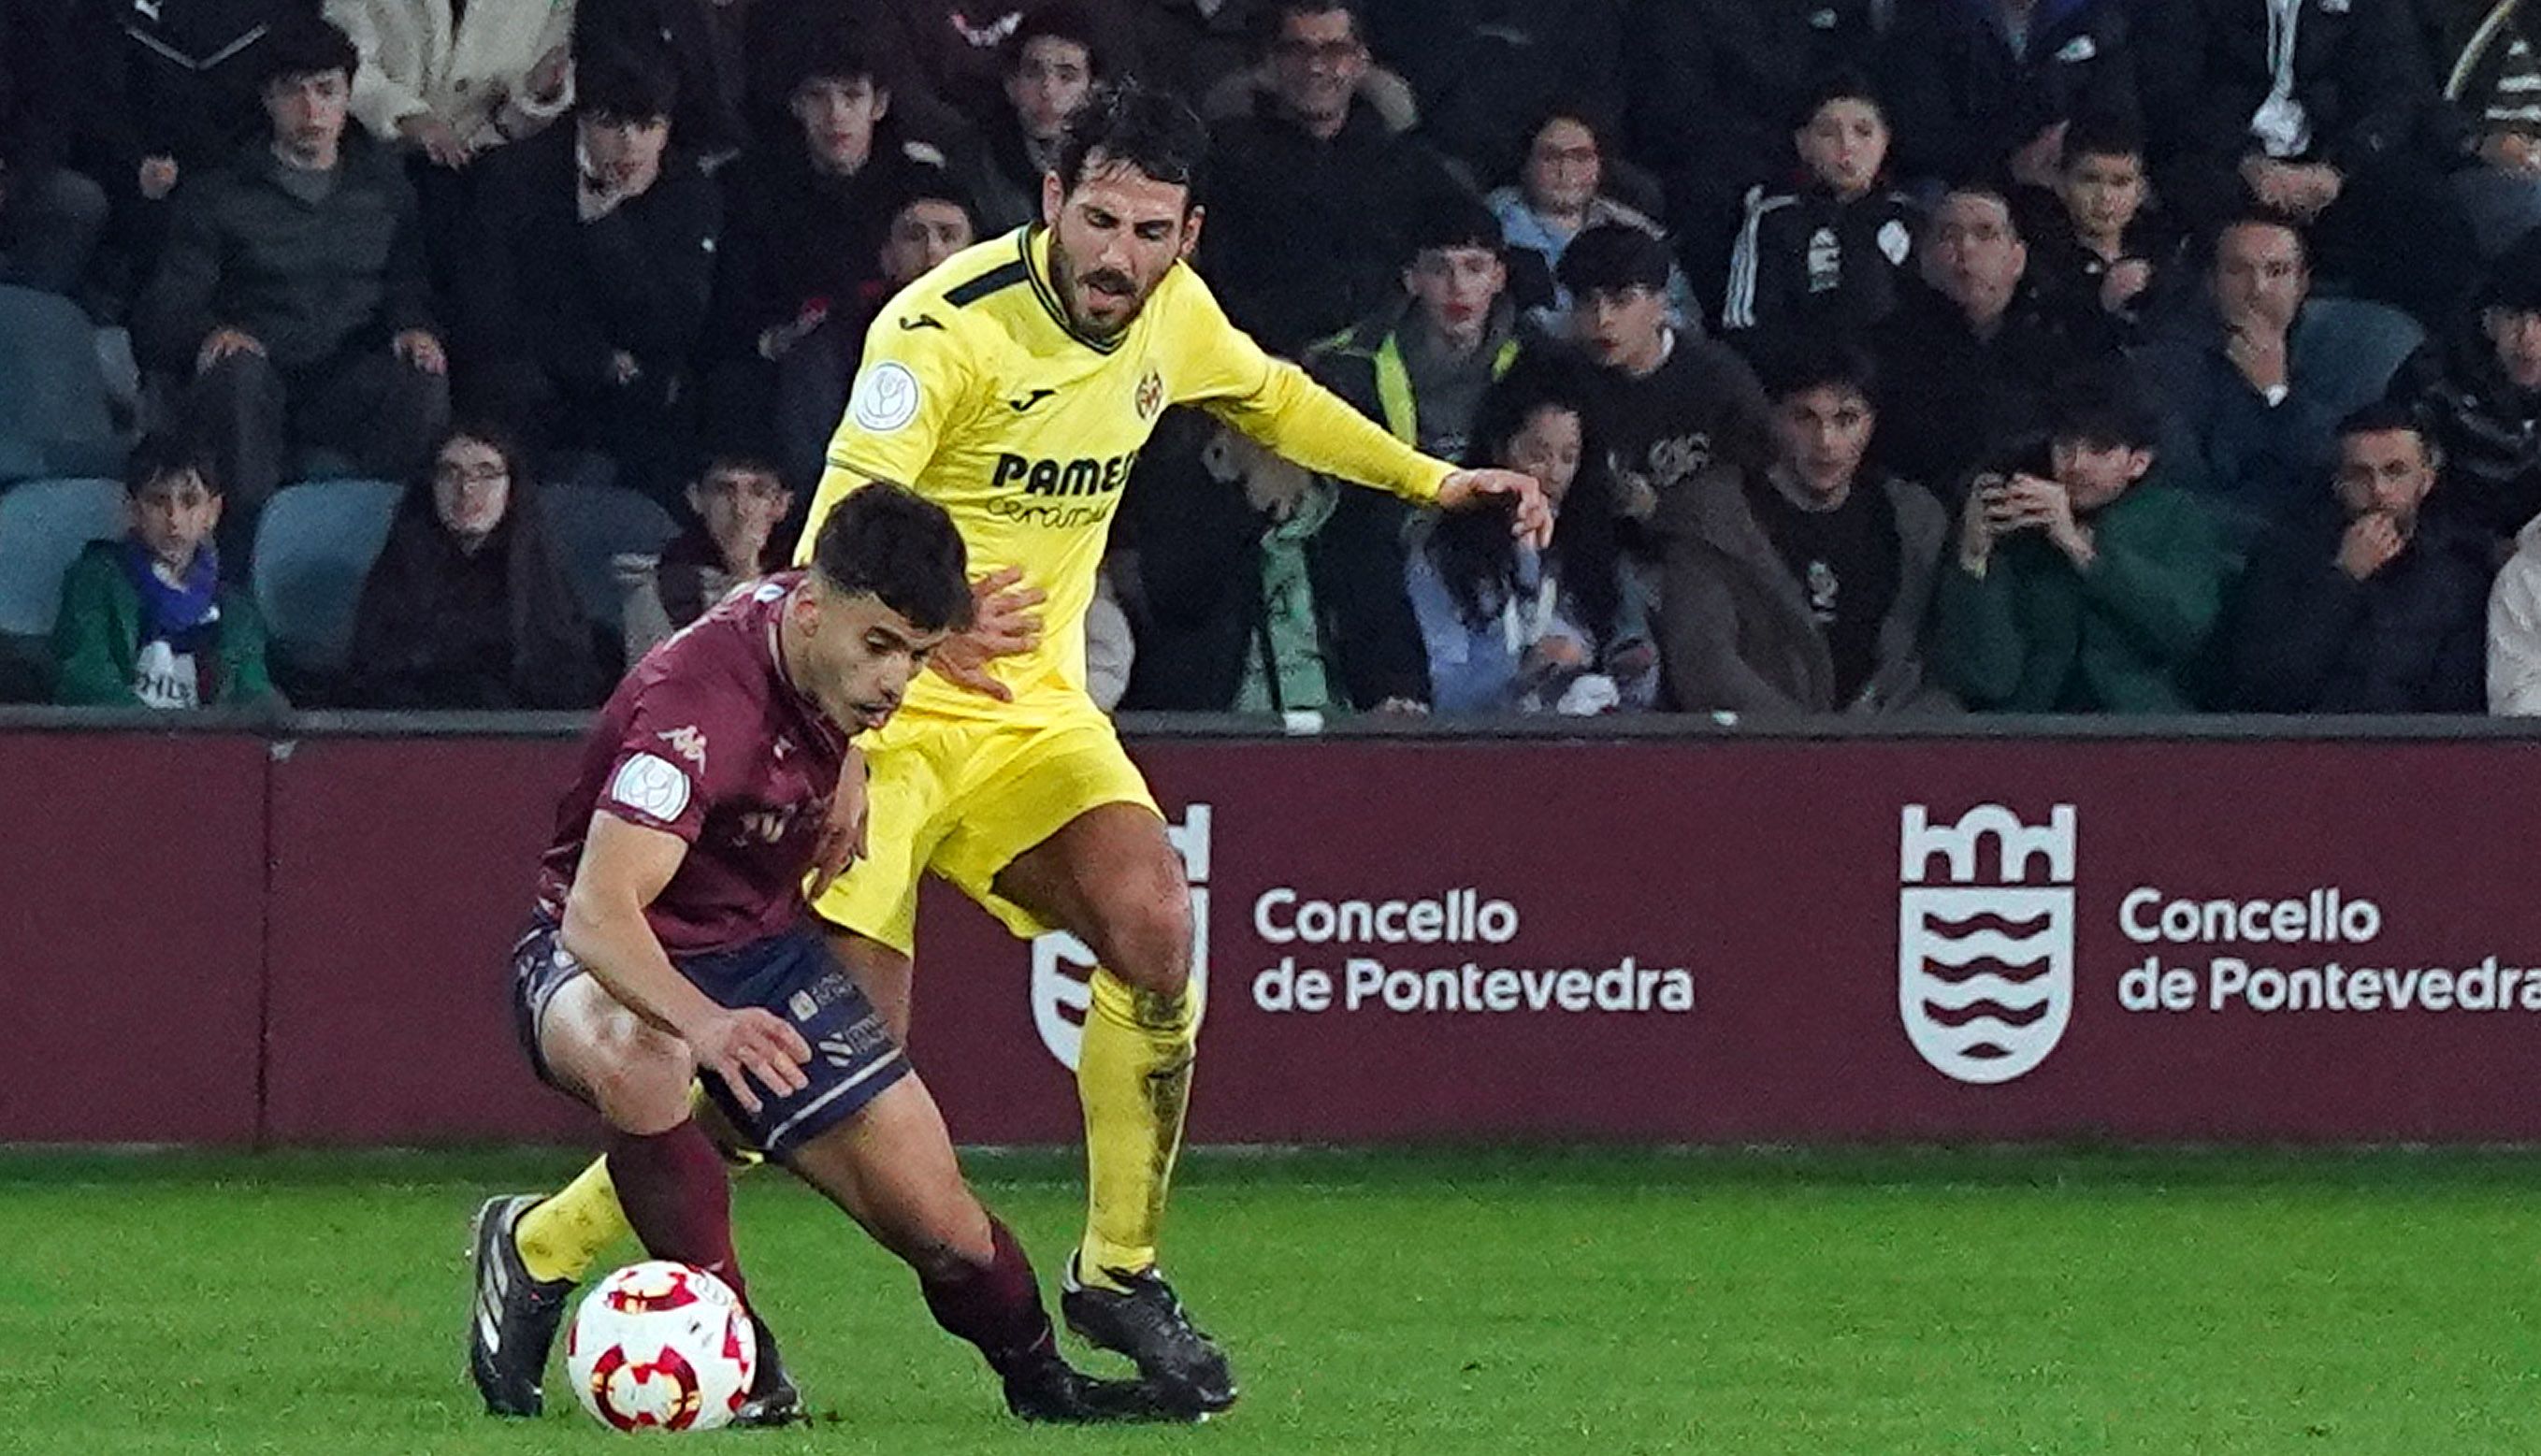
[{"x": 1985, "y": 952}]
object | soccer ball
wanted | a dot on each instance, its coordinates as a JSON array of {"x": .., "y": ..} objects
[{"x": 661, "y": 1346}]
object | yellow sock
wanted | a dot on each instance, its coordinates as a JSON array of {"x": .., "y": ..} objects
[
  {"x": 564, "y": 1236},
  {"x": 1133, "y": 1077}
]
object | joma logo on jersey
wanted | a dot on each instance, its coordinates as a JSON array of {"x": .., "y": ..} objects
[{"x": 1063, "y": 478}]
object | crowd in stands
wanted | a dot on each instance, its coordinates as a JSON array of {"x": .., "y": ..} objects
[{"x": 1877, "y": 357}]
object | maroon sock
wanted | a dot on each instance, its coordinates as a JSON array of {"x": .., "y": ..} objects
[
  {"x": 995, "y": 1306},
  {"x": 677, "y": 1199}
]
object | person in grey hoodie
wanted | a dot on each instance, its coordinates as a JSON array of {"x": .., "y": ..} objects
[{"x": 1806, "y": 587}]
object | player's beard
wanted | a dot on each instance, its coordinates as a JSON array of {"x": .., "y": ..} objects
[{"x": 1062, "y": 271}]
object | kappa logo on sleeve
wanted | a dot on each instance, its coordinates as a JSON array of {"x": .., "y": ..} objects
[
  {"x": 689, "y": 744},
  {"x": 651, "y": 786}
]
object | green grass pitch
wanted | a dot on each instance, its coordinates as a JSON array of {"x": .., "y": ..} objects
[{"x": 1604, "y": 1304}]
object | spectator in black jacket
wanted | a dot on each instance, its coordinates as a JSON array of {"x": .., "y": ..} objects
[
  {"x": 1966, "y": 360},
  {"x": 809, "y": 212},
  {"x": 2102, "y": 258},
  {"x": 1824, "y": 257},
  {"x": 468, "y": 606},
  {"x": 1051, "y": 65},
  {"x": 1311, "y": 204},
  {"x": 1265, "y": 589},
  {"x": 795, "y": 378},
  {"x": 2382, "y": 608},
  {"x": 49, "y": 215},
  {"x": 1978, "y": 85},
  {"x": 702, "y": 43},
  {"x": 1662, "y": 400},
  {"x": 2320, "y": 110},
  {"x": 292, "y": 294},
  {"x": 165, "y": 90},
  {"x": 1710, "y": 87},
  {"x": 590, "y": 269},
  {"x": 2478, "y": 391}
]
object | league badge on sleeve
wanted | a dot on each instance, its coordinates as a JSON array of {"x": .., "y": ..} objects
[
  {"x": 651, "y": 786},
  {"x": 886, "y": 397}
]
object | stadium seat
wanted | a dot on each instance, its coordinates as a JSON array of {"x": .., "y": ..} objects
[
  {"x": 2348, "y": 349},
  {"x": 591, "y": 524},
  {"x": 43, "y": 527},
  {"x": 53, "y": 401},
  {"x": 313, "y": 544}
]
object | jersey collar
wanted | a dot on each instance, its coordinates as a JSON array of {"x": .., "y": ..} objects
[{"x": 1035, "y": 248}]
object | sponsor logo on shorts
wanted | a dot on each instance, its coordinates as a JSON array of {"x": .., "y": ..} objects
[
  {"x": 1985, "y": 954},
  {"x": 652, "y": 786}
]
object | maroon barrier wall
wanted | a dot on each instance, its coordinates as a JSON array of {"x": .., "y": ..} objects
[
  {"x": 131, "y": 936},
  {"x": 1763, "y": 940}
]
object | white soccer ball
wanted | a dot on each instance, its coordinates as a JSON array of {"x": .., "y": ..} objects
[{"x": 661, "y": 1346}]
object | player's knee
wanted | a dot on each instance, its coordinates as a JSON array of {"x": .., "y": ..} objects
[
  {"x": 1151, "y": 945},
  {"x": 639, "y": 1079}
]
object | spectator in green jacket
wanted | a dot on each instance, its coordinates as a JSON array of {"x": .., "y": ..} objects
[
  {"x": 2079, "y": 585},
  {"x": 145, "y": 622}
]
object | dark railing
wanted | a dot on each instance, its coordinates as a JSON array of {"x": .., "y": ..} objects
[{"x": 1635, "y": 727}]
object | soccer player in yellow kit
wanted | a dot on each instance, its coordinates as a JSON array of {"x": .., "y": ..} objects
[{"x": 1015, "y": 384}]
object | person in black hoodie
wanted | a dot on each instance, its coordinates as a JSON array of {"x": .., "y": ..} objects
[
  {"x": 2381, "y": 607},
  {"x": 1709, "y": 90},
  {"x": 705, "y": 44},
  {"x": 2103, "y": 259},
  {"x": 1311, "y": 203},
  {"x": 468, "y": 606},
  {"x": 589, "y": 266},
  {"x": 1824, "y": 257},
  {"x": 1054, "y": 61},
  {"x": 2478, "y": 391},
  {"x": 1966, "y": 360},
  {"x": 810, "y": 213},
  {"x": 1991, "y": 85}
]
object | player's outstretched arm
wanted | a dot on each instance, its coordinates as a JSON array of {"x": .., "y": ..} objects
[
  {"x": 1291, "y": 414},
  {"x": 1532, "y": 516},
  {"x": 625, "y": 866}
]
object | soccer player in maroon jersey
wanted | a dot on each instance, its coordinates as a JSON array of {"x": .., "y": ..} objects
[{"x": 671, "y": 945}]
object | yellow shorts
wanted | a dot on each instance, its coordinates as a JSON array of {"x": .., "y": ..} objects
[{"x": 964, "y": 796}]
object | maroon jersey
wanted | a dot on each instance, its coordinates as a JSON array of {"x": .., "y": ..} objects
[{"x": 708, "y": 740}]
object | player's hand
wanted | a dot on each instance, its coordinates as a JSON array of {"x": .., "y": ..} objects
[
  {"x": 749, "y": 1045},
  {"x": 841, "y": 842},
  {"x": 1003, "y": 624},
  {"x": 158, "y": 177},
  {"x": 1465, "y": 489}
]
